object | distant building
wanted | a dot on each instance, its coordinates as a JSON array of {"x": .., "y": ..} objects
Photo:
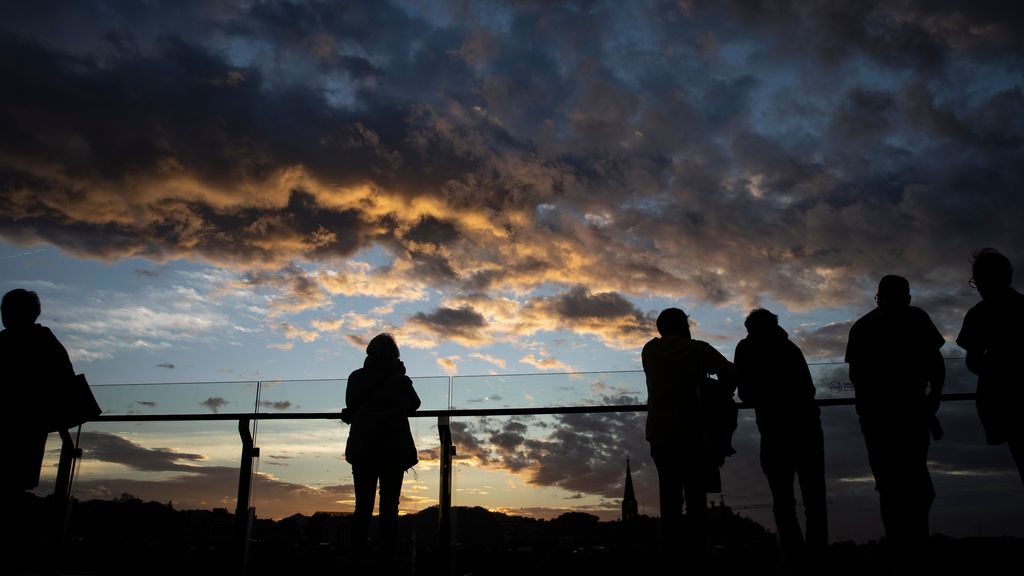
[{"x": 629, "y": 504}]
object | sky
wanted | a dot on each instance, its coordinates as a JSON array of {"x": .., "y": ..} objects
[{"x": 243, "y": 191}]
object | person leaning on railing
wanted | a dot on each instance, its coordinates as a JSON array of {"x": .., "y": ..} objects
[
  {"x": 993, "y": 336},
  {"x": 33, "y": 366}
]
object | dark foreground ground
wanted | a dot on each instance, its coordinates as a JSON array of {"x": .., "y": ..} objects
[{"x": 128, "y": 536}]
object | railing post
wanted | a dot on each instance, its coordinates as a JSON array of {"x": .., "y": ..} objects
[
  {"x": 444, "y": 528},
  {"x": 243, "y": 513},
  {"x": 62, "y": 498}
]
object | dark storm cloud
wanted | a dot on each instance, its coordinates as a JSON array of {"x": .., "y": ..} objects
[
  {"x": 196, "y": 486},
  {"x": 727, "y": 152},
  {"x": 578, "y": 303},
  {"x": 113, "y": 448},
  {"x": 458, "y": 323}
]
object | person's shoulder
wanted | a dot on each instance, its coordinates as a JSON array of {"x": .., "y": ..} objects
[
  {"x": 918, "y": 312},
  {"x": 1017, "y": 299},
  {"x": 704, "y": 348},
  {"x": 651, "y": 344},
  {"x": 743, "y": 344},
  {"x": 865, "y": 321}
]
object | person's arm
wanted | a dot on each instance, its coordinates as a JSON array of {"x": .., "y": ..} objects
[
  {"x": 803, "y": 371},
  {"x": 412, "y": 398},
  {"x": 853, "y": 356},
  {"x": 975, "y": 360},
  {"x": 936, "y": 379},
  {"x": 744, "y": 379},
  {"x": 968, "y": 340},
  {"x": 58, "y": 363},
  {"x": 720, "y": 366},
  {"x": 935, "y": 364}
]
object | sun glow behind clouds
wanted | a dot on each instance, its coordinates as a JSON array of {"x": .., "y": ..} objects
[{"x": 283, "y": 182}]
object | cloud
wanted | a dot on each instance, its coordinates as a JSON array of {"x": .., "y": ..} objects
[
  {"x": 449, "y": 364},
  {"x": 214, "y": 403},
  {"x": 499, "y": 362},
  {"x": 543, "y": 363},
  {"x": 105, "y": 447},
  {"x": 782, "y": 152},
  {"x": 293, "y": 333},
  {"x": 824, "y": 342},
  {"x": 461, "y": 325},
  {"x": 281, "y": 405}
]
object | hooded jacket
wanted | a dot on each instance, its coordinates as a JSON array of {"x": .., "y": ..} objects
[
  {"x": 379, "y": 398},
  {"x": 33, "y": 367},
  {"x": 772, "y": 377}
]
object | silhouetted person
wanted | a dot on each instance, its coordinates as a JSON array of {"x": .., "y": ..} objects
[
  {"x": 379, "y": 398},
  {"x": 686, "y": 448},
  {"x": 33, "y": 366},
  {"x": 772, "y": 376},
  {"x": 993, "y": 336},
  {"x": 897, "y": 373}
]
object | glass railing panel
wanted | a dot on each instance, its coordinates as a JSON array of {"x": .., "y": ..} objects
[
  {"x": 153, "y": 497},
  {"x": 305, "y": 396},
  {"x": 548, "y": 390},
  {"x": 176, "y": 398},
  {"x": 832, "y": 379}
]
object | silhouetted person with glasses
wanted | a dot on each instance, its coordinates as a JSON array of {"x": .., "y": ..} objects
[
  {"x": 898, "y": 373},
  {"x": 379, "y": 398},
  {"x": 33, "y": 366},
  {"x": 772, "y": 376},
  {"x": 993, "y": 336},
  {"x": 685, "y": 446}
]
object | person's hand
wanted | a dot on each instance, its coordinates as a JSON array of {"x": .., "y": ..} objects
[
  {"x": 933, "y": 403},
  {"x": 401, "y": 367}
]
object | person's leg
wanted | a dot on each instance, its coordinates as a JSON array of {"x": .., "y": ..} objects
[
  {"x": 670, "y": 494},
  {"x": 877, "y": 442},
  {"x": 696, "y": 545},
  {"x": 390, "y": 493},
  {"x": 1016, "y": 443},
  {"x": 810, "y": 467},
  {"x": 911, "y": 493},
  {"x": 365, "y": 479},
  {"x": 777, "y": 465}
]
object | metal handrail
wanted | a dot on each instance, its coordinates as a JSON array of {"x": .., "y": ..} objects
[{"x": 70, "y": 452}]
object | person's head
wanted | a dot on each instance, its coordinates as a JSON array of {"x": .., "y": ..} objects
[
  {"x": 991, "y": 271},
  {"x": 20, "y": 308},
  {"x": 382, "y": 347},
  {"x": 673, "y": 321},
  {"x": 893, "y": 291},
  {"x": 760, "y": 321}
]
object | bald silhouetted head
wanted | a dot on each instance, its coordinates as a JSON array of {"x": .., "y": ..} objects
[
  {"x": 20, "y": 308},
  {"x": 893, "y": 291},
  {"x": 673, "y": 321}
]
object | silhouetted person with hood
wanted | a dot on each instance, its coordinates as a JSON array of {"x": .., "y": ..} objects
[
  {"x": 34, "y": 366},
  {"x": 993, "y": 336},
  {"x": 686, "y": 447},
  {"x": 772, "y": 377},
  {"x": 898, "y": 373},
  {"x": 379, "y": 398}
]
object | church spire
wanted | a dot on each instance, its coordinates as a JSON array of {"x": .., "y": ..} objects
[{"x": 629, "y": 504}]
